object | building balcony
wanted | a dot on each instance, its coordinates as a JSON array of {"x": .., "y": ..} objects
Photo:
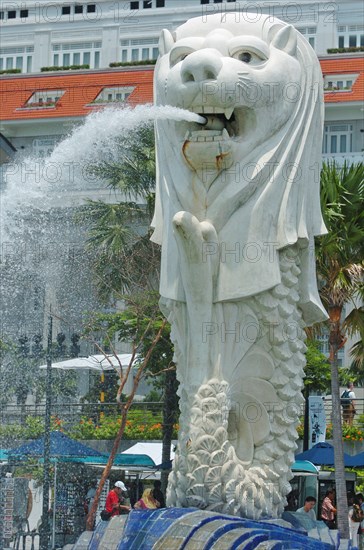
[{"x": 340, "y": 158}]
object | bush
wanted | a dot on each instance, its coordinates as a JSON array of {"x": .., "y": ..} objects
[
  {"x": 141, "y": 424},
  {"x": 350, "y": 49},
  {"x": 10, "y": 71},
  {"x": 64, "y": 68},
  {"x": 132, "y": 63},
  {"x": 350, "y": 433}
]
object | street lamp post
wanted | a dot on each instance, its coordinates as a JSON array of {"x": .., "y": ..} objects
[{"x": 45, "y": 531}]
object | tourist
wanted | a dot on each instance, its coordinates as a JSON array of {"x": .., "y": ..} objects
[
  {"x": 355, "y": 518},
  {"x": 147, "y": 501},
  {"x": 115, "y": 502},
  {"x": 158, "y": 495},
  {"x": 308, "y": 508},
  {"x": 348, "y": 404},
  {"x": 328, "y": 510}
]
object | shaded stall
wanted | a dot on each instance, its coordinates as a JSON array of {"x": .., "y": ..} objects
[{"x": 67, "y": 512}]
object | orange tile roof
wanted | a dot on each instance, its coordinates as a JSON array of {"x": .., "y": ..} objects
[
  {"x": 80, "y": 90},
  {"x": 342, "y": 66}
]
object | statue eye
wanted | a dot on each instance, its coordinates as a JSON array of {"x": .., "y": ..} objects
[
  {"x": 250, "y": 56},
  {"x": 245, "y": 56},
  {"x": 179, "y": 54}
]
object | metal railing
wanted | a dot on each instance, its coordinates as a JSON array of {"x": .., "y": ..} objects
[{"x": 72, "y": 413}]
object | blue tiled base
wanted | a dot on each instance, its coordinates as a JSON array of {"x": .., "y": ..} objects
[{"x": 194, "y": 529}]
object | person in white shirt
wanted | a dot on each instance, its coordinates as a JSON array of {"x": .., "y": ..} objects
[
  {"x": 349, "y": 410},
  {"x": 355, "y": 518},
  {"x": 308, "y": 508}
]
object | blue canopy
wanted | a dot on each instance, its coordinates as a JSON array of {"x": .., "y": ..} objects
[
  {"x": 304, "y": 466},
  {"x": 356, "y": 460},
  {"x": 123, "y": 459},
  {"x": 3, "y": 455},
  {"x": 322, "y": 453},
  {"x": 60, "y": 446}
]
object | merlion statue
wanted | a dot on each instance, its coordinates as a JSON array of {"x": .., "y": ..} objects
[{"x": 237, "y": 209}]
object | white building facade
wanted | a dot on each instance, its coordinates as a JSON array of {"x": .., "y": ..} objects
[{"x": 37, "y": 34}]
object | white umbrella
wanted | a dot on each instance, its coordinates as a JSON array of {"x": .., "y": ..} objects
[{"x": 94, "y": 362}]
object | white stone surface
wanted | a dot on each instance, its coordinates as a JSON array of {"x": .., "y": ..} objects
[{"x": 237, "y": 208}]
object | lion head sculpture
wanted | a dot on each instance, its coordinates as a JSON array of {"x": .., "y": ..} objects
[{"x": 252, "y": 169}]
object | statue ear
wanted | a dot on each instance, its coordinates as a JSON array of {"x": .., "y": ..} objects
[
  {"x": 166, "y": 42},
  {"x": 286, "y": 40}
]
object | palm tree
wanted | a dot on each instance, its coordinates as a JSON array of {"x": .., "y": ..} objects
[
  {"x": 340, "y": 271},
  {"x": 124, "y": 259}
]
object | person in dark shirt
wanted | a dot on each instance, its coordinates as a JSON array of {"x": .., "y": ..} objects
[{"x": 157, "y": 493}]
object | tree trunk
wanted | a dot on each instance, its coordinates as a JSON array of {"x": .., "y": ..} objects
[
  {"x": 124, "y": 414},
  {"x": 341, "y": 494}
]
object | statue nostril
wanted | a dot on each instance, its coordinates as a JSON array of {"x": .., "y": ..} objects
[
  {"x": 187, "y": 76},
  {"x": 209, "y": 75}
]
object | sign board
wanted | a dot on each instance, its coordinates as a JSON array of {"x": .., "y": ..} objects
[{"x": 317, "y": 420}]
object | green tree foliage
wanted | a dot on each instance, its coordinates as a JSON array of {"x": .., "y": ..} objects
[
  {"x": 317, "y": 369},
  {"x": 123, "y": 257},
  {"x": 21, "y": 376},
  {"x": 340, "y": 270}
]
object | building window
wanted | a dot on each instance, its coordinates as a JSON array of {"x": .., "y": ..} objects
[
  {"x": 135, "y": 55},
  {"x": 86, "y": 58},
  {"x": 147, "y": 4},
  {"x": 352, "y": 41},
  {"x": 78, "y": 9},
  {"x": 335, "y": 83},
  {"x": 134, "y": 5},
  {"x": 159, "y": 4},
  {"x": 205, "y": 1},
  {"x": 9, "y": 63},
  {"x": 24, "y": 14},
  {"x": 66, "y": 10},
  {"x": 56, "y": 60},
  {"x": 43, "y": 147},
  {"x": 66, "y": 60},
  {"x": 11, "y": 14},
  {"x": 2, "y": 15},
  {"x": 97, "y": 60},
  {"x": 76, "y": 59},
  {"x": 341, "y": 41},
  {"x": 91, "y": 8},
  {"x": 29, "y": 63},
  {"x": 338, "y": 138},
  {"x": 44, "y": 99},
  {"x": 19, "y": 63},
  {"x": 114, "y": 94}
]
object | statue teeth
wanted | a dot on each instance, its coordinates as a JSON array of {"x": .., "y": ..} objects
[{"x": 229, "y": 112}]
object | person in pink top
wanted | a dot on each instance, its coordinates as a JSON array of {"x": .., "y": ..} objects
[
  {"x": 147, "y": 501},
  {"x": 328, "y": 510}
]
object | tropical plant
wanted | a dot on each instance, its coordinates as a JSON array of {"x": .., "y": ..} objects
[
  {"x": 340, "y": 271},
  {"x": 122, "y": 255}
]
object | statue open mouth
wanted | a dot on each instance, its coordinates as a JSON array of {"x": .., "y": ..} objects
[{"x": 221, "y": 124}]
